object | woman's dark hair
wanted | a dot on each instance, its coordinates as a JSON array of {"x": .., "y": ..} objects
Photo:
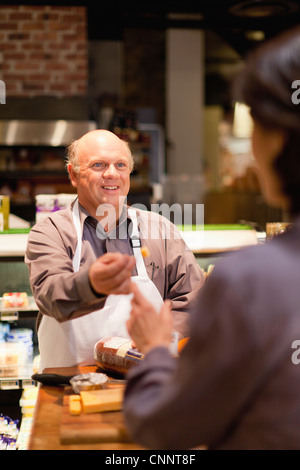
[{"x": 265, "y": 85}]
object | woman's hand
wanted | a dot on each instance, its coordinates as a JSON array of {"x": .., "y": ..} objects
[{"x": 146, "y": 326}]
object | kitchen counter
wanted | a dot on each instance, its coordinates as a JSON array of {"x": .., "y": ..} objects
[
  {"x": 203, "y": 239},
  {"x": 54, "y": 429},
  {"x": 13, "y": 242}
]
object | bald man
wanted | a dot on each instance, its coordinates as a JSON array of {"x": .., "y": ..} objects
[{"x": 83, "y": 259}]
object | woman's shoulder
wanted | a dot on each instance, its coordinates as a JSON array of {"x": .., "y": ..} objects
[{"x": 260, "y": 261}]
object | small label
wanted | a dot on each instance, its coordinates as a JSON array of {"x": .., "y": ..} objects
[
  {"x": 115, "y": 342},
  {"x": 124, "y": 349},
  {"x": 9, "y": 384}
]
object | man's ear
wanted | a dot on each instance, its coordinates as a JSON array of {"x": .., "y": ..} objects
[{"x": 73, "y": 175}]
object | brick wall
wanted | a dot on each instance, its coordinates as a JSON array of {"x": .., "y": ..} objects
[{"x": 43, "y": 50}]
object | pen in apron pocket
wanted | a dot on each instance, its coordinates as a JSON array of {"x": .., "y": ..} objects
[{"x": 153, "y": 269}]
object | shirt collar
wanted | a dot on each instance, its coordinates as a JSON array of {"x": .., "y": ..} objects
[{"x": 85, "y": 217}]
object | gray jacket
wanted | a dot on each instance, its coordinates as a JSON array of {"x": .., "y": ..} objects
[{"x": 235, "y": 385}]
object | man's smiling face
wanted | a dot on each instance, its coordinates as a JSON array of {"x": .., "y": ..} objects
[{"x": 104, "y": 175}]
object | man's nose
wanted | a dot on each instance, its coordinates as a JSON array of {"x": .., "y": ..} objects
[{"x": 110, "y": 171}]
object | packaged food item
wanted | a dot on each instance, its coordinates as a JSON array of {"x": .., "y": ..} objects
[
  {"x": 89, "y": 381},
  {"x": 64, "y": 200},
  {"x": 116, "y": 355},
  {"x": 4, "y": 213},
  {"x": 4, "y": 329},
  {"x": 12, "y": 358},
  {"x": 21, "y": 335},
  {"x": 9, "y": 431},
  {"x": 28, "y": 401},
  {"x": 15, "y": 299},
  {"x": 36, "y": 364},
  {"x": 45, "y": 204}
]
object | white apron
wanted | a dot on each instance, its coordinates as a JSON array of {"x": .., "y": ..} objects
[{"x": 72, "y": 342}]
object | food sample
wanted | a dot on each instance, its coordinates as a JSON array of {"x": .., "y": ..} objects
[
  {"x": 182, "y": 343},
  {"x": 95, "y": 401},
  {"x": 209, "y": 270},
  {"x": 15, "y": 299},
  {"x": 75, "y": 405},
  {"x": 116, "y": 354},
  {"x": 145, "y": 251}
]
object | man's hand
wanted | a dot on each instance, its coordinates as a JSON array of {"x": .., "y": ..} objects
[
  {"x": 146, "y": 326},
  {"x": 111, "y": 274}
]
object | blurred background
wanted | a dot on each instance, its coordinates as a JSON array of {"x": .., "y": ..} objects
[{"x": 157, "y": 74}]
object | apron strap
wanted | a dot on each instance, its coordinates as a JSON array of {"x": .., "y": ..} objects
[
  {"x": 136, "y": 245},
  {"x": 76, "y": 220}
]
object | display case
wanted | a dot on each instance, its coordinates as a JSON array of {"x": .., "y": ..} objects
[
  {"x": 14, "y": 278},
  {"x": 18, "y": 339}
]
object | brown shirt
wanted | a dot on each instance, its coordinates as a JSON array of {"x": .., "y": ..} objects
[{"x": 64, "y": 295}]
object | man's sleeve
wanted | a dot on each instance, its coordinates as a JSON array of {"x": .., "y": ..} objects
[{"x": 58, "y": 291}]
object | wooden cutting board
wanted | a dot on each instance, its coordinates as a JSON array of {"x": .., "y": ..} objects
[{"x": 91, "y": 428}]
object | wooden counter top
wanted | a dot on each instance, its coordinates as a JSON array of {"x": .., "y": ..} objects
[{"x": 49, "y": 414}]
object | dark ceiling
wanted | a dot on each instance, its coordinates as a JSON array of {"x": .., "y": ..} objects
[
  {"x": 239, "y": 22},
  {"x": 242, "y": 23}
]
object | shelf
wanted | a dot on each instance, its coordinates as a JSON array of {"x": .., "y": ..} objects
[
  {"x": 15, "y": 383},
  {"x": 12, "y": 244},
  {"x": 32, "y": 173},
  {"x": 14, "y": 377},
  {"x": 11, "y": 314}
]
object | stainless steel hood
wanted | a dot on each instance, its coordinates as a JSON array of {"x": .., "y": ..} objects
[{"x": 42, "y": 132}]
